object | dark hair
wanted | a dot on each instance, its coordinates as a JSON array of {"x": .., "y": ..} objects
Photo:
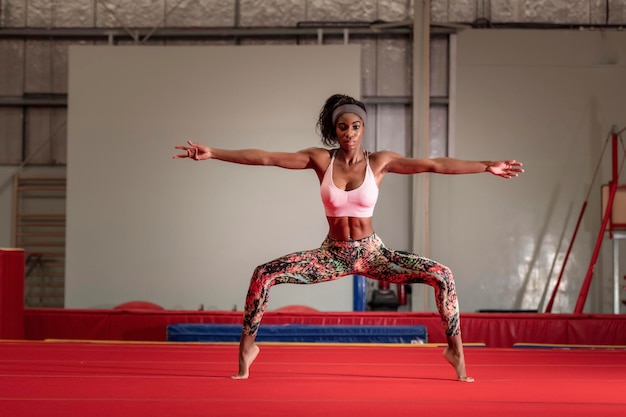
[{"x": 325, "y": 125}]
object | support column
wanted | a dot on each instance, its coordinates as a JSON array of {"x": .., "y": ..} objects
[{"x": 420, "y": 239}]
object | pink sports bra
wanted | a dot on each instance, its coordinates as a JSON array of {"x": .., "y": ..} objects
[{"x": 359, "y": 202}]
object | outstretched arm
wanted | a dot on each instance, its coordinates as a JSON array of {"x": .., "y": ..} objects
[
  {"x": 395, "y": 163},
  {"x": 290, "y": 160}
]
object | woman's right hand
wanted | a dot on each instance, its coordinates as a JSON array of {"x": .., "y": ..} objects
[{"x": 194, "y": 151}]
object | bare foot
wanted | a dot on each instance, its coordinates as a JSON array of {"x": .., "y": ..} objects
[
  {"x": 245, "y": 360},
  {"x": 458, "y": 363}
]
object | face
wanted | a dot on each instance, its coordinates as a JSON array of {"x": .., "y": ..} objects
[{"x": 349, "y": 130}]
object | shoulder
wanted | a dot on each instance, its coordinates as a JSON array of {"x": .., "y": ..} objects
[
  {"x": 320, "y": 157},
  {"x": 317, "y": 154},
  {"x": 380, "y": 160},
  {"x": 384, "y": 155},
  {"x": 316, "y": 151}
]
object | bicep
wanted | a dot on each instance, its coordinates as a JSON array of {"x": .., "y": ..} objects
[
  {"x": 290, "y": 160},
  {"x": 398, "y": 164}
]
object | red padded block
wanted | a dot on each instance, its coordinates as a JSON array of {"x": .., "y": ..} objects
[
  {"x": 11, "y": 293},
  {"x": 138, "y": 305}
]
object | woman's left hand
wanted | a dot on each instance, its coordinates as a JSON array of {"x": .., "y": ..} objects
[{"x": 505, "y": 169}]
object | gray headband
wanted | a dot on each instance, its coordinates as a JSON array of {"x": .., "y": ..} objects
[{"x": 349, "y": 108}]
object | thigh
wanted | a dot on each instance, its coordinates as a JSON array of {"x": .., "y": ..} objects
[
  {"x": 404, "y": 267},
  {"x": 305, "y": 267}
]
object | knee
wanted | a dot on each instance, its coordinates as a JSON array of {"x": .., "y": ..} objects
[
  {"x": 262, "y": 277},
  {"x": 445, "y": 277},
  {"x": 258, "y": 272},
  {"x": 258, "y": 280},
  {"x": 447, "y": 273}
]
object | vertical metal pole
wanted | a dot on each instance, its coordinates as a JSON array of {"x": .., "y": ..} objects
[
  {"x": 16, "y": 209},
  {"x": 360, "y": 293},
  {"x": 401, "y": 294},
  {"x": 616, "y": 274},
  {"x": 569, "y": 250},
  {"x": 421, "y": 131},
  {"x": 615, "y": 168}
]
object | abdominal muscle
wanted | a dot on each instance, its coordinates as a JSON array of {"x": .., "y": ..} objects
[{"x": 350, "y": 228}]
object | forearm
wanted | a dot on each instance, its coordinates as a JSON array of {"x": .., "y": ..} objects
[
  {"x": 459, "y": 166},
  {"x": 289, "y": 160},
  {"x": 242, "y": 156}
]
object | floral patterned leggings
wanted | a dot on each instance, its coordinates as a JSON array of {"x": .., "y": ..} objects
[{"x": 334, "y": 259}]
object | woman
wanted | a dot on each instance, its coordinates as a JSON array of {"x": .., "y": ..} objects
[{"x": 349, "y": 179}]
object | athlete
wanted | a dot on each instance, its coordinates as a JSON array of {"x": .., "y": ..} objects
[{"x": 350, "y": 178}]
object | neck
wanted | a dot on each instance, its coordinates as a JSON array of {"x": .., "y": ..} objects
[{"x": 350, "y": 157}]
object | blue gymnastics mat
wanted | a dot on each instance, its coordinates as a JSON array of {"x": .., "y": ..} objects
[{"x": 203, "y": 332}]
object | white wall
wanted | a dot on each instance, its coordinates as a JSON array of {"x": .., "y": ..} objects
[
  {"x": 548, "y": 99},
  {"x": 142, "y": 226}
]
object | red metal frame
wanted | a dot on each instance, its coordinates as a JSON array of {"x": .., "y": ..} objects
[
  {"x": 569, "y": 250},
  {"x": 584, "y": 290},
  {"x": 606, "y": 220}
]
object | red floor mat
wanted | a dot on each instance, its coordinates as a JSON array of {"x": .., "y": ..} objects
[{"x": 184, "y": 379}]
